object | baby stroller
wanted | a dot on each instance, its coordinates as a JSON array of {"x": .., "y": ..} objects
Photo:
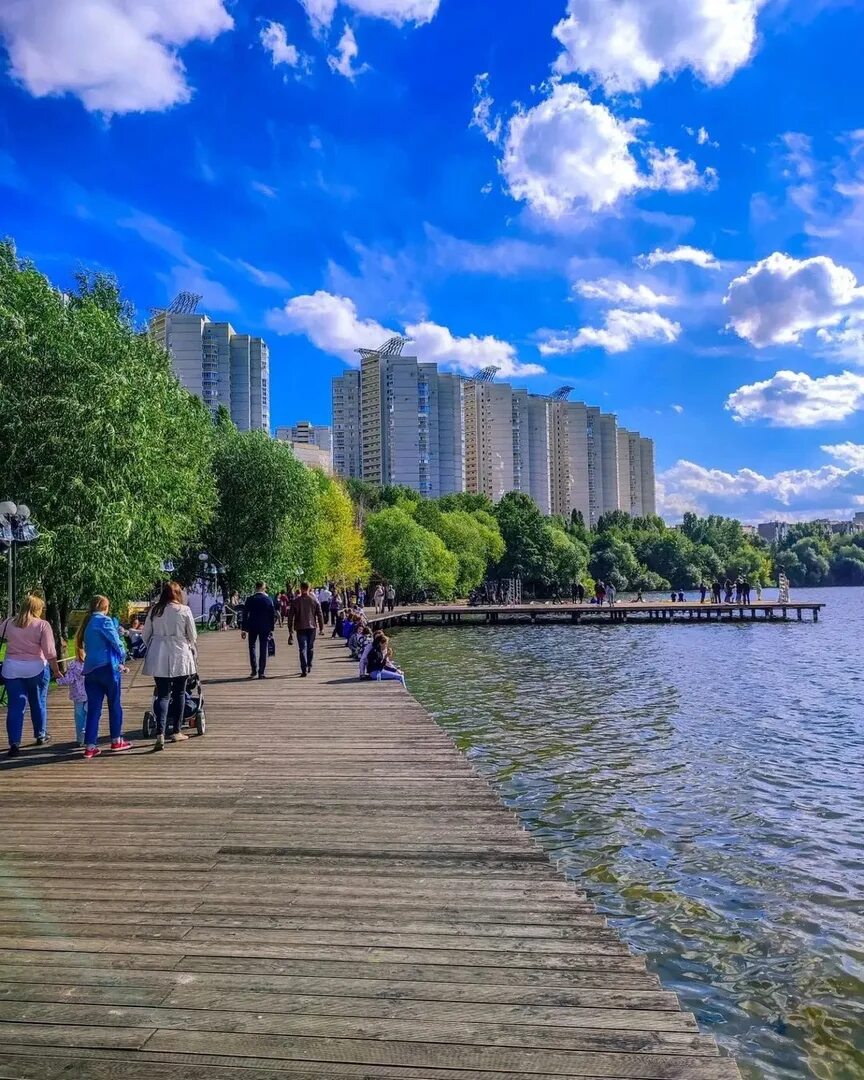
[{"x": 193, "y": 710}]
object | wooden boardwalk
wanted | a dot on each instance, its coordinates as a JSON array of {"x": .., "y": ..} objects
[{"x": 319, "y": 888}]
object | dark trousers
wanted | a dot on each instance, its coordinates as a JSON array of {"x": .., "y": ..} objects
[
  {"x": 261, "y": 637},
  {"x": 170, "y": 699},
  {"x": 306, "y": 641},
  {"x": 103, "y": 684},
  {"x": 390, "y": 604},
  {"x": 325, "y": 612}
]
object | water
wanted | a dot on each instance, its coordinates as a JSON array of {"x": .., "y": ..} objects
[{"x": 706, "y": 784}]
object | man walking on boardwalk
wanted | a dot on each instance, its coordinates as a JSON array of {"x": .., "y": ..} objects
[
  {"x": 259, "y": 618},
  {"x": 306, "y": 618}
]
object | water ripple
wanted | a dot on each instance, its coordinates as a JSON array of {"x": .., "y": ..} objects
[{"x": 707, "y": 787}]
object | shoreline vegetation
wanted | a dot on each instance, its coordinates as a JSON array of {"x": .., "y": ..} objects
[{"x": 124, "y": 469}]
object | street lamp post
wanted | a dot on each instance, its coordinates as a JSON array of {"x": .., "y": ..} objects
[{"x": 16, "y": 528}]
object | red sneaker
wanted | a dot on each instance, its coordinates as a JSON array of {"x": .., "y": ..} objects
[
  {"x": 121, "y": 744},
  {"x": 91, "y": 752}
]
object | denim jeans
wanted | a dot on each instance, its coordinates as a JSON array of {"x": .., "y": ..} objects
[
  {"x": 259, "y": 665},
  {"x": 170, "y": 699},
  {"x": 306, "y": 642},
  {"x": 103, "y": 683},
  {"x": 80, "y": 720},
  {"x": 21, "y": 693}
]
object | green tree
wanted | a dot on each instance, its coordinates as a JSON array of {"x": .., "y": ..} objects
[
  {"x": 411, "y": 557},
  {"x": 475, "y": 540},
  {"x": 567, "y": 559},
  {"x": 99, "y": 438},
  {"x": 523, "y": 529},
  {"x": 339, "y": 554},
  {"x": 613, "y": 559}
]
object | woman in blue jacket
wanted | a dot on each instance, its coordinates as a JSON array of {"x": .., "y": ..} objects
[{"x": 104, "y": 654}]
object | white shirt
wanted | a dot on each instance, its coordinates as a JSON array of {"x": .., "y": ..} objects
[{"x": 324, "y": 596}]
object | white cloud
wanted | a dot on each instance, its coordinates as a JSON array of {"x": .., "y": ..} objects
[
  {"x": 620, "y": 292},
  {"x": 275, "y": 41},
  {"x": 400, "y": 12},
  {"x": 629, "y": 44},
  {"x": 264, "y": 189},
  {"x": 702, "y": 136},
  {"x": 498, "y": 258},
  {"x": 780, "y": 298},
  {"x": 848, "y": 453},
  {"x": 620, "y": 332},
  {"x": 684, "y": 254},
  {"x": 748, "y": 494},
  {"x": 116, "y": 56},
  {"x": 678, "y": 409},
  {"x": 568, "y": 152},
  {"x": 795, "y": 400},
  {"x": 332, "y": 324},
  {"x": 346, "y": 53},
  {"x": 267, "y": 279},
  {"x": 481, "y": 116}
]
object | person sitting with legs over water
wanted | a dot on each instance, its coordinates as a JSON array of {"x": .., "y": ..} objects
[
  {"x": 307, "y": 618},
  {"x": 376, "y": 663},
  {"x": 259, "y": 618}
]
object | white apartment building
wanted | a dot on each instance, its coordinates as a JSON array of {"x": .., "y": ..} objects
[
  {"x": 401, "y": 421},
  {"x": 218, "y": 365}
]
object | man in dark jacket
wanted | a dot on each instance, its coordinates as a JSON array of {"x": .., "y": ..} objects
[
  {"x": 259, "y": 618},
  {"x": 306, "y": 618}
]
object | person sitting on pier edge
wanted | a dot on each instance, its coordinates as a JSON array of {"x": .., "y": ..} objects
[
  {"x": 376, "y": 663},
  {"x": 307, "y": 617},
  {"x": 259, "y": 618}
]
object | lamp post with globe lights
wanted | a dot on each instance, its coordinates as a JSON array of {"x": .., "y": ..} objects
[
  {"x": 210, "y": 571},
  {"x": 16, "y": 529}
]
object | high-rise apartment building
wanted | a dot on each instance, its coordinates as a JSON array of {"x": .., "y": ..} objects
[
  {"x": 400, "y": 421},
  {"x": 217, "y": 364}
]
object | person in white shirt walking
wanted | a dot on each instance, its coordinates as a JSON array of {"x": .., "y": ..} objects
[
  {"x": 324, "y": 598},
  {"x": 378, "y": 597}
]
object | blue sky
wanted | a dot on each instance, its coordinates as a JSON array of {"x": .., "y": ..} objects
[{"x": 659, "y": 202}]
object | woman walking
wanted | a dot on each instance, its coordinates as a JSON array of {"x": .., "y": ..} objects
[
  {"x": 30, "y": 657},
  {"x": 170, "y": 635},
  {"x": 99, "y": 640}
]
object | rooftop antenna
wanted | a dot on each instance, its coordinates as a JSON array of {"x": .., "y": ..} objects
[
  {"x": 562, "y": 394},
  {"x": 487, "y": 375},
  {"x": 392, "y": 347},
  {"x": 184, "y": 303}
]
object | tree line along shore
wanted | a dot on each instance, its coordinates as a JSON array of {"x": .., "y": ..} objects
[{"x": 124, "y": 469}]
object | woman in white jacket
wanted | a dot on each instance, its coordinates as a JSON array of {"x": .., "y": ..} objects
[{"x": 170, "y": 636}]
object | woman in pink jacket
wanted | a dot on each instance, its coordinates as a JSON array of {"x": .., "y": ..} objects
[{"x": 30, "y": 651}]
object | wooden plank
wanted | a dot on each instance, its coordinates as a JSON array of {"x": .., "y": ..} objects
[{"x": 353, "y": 902}]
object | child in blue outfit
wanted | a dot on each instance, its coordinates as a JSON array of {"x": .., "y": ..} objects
[{"x": 74, "y": 679}]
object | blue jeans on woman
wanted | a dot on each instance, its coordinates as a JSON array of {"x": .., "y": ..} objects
[
  {"x": 103, "y": 683},
  {"x": 21, "y": 693}
]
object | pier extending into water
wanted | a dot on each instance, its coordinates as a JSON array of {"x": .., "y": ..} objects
[
  {"x": 319, "y": 888},
  {"x": 625, "y": 612}
]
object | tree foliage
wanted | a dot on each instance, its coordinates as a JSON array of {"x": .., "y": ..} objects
[{"x": 412, "y": 558}]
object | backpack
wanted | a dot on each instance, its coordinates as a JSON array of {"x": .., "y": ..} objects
[{"x": 375, "y": 660}]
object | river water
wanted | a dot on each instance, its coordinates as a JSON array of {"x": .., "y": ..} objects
[{"x": 705, "y": 783}]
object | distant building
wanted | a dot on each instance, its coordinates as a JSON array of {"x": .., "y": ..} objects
[
  {"x": 309, "y": 434},
  {"x": 775, "y": 532},
  {"x": 401, "y": 421},
  {"x": 215, "y": 363},
  {"x": 313, "y": 456}
]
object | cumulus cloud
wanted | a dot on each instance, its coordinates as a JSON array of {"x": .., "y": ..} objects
[
  {"x": 481, "y": 116},
  {"x": 399, "y": 12},
  {"x": 116, "y": 56},
  {"x": 684, "y": 254},
  {"x": 619, "y": 333},
  {"x": 795, "y": 400},
  {"x": 677, "y": 408},
  {"x": 629, "y": 44},
  {"x": 847, "y": 453},
  {"x": 750, "y": 495},
  {"x": 346, "y": 53},
  {"x": 569, "y": 152},
  {"x": 780, "y": 298},
  {"x": 275, "y": 41},
  {"x": 333, "y": 324},
  {"x": 621, "y": 292}
]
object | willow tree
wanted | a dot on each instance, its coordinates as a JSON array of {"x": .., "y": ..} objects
[
  {"x": 108, "y": 450},
  {"x": 339, "y": 552},
  {"x": 264, "y": 526}
]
